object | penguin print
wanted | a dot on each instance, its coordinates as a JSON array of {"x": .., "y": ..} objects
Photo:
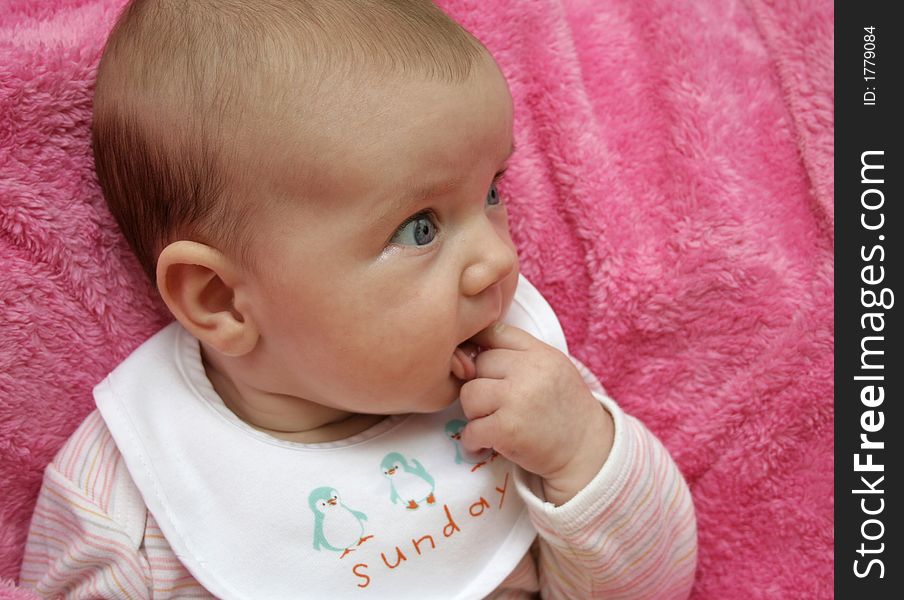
[
  {"x": 477, "y": 459},
  {"x": 336, "y": 526},
  {"x": 409, "y": 482}
]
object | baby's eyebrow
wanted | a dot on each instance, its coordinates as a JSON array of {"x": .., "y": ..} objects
[
  {"x": 418, "y": 194},
  {"x": 399, "y": 203}
]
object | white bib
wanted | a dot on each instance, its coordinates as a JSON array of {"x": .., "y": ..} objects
[{"x": 398, "y": 511}]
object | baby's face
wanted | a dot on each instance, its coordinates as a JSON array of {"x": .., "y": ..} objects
[{"x": 363, "y": 293}]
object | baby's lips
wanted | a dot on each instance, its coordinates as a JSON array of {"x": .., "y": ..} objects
[{"x": 463, "y": 366}]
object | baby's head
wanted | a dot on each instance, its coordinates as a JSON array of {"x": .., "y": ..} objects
[{"x": 311, "y": 187}]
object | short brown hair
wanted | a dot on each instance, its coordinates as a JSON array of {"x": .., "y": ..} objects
[{"x": 177, "y": 78}]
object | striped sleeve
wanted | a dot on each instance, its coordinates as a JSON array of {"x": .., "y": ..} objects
[
  {"x": 630, "y": 533},
  {"x": 88, "y": 524}
]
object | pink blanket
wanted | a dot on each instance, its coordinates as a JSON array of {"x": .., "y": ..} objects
[{"x": 671, "y": 195}]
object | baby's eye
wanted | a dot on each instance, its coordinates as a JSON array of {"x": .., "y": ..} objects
[
  {"x": 419, "y": 230},
  {"x": 493, "y": 196}
]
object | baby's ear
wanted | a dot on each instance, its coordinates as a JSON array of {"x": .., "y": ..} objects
[{"x": 197, "y": 283}]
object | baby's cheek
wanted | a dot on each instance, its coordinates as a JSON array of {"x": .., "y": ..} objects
[
  {"x": 397, "y": 361},
  {"x": 509, "y": 287}
]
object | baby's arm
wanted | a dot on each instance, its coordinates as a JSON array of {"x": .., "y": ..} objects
[
  {"x": 631, "y": 533},
  {"x": 87, "y": 527}
]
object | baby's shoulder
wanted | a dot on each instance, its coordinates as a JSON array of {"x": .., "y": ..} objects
[{"x": 90, "y": 465}]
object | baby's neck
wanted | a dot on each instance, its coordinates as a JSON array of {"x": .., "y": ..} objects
[{"x": 285, "y": 417}]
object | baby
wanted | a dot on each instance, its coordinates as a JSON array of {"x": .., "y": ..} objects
[{"x": 360, "y": 395}]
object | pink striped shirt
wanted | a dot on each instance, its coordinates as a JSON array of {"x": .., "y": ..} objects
[{"x": 630, "y": 533}]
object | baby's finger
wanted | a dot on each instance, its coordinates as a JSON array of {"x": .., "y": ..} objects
[
  {"x": 480, "y": 433},
  {"x": 497, "y": 363},
  {"x": 482, "y": 397},
  {"x": 501, "y": 335}
]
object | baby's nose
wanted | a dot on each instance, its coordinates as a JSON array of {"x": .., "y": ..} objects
[{"x": 493, "y": 258}]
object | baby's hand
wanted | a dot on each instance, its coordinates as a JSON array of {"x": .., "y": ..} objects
[{"x": 529, "y": 403}]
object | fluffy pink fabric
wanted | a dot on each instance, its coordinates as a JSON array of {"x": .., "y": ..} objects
[{"x": 671, "y": 195}]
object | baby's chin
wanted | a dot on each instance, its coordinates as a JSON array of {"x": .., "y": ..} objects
[{"x": 439, "y": 399}]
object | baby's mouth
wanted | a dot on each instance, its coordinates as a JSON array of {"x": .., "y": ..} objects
[{"x": 463, "y": 358}]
